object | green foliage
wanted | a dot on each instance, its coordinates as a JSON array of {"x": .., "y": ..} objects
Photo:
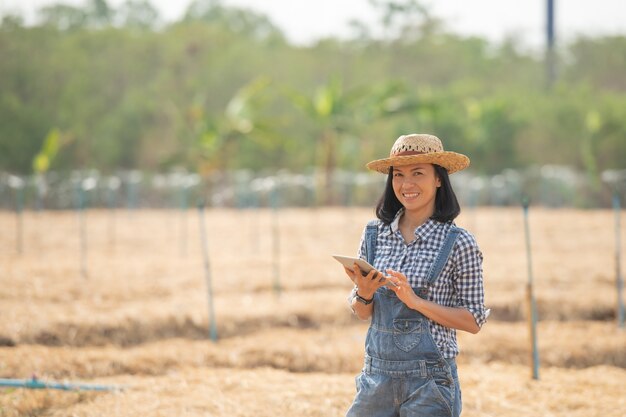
[
  {"x": 223, "y": 89},
  {"x": 49, "y": 150}
]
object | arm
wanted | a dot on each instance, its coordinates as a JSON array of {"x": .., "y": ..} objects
[
  {"x": 470, "y": 313},
  {"x": 458, "y": 318},
  {"x": 364, "y": 286},
  {"x": 361, "y": 310}
]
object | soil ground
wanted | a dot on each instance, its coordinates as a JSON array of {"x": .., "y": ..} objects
[{"x": 130, "y": 310}]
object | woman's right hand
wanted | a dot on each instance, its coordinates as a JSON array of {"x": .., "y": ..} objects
[{"x": 367, "y": 284}]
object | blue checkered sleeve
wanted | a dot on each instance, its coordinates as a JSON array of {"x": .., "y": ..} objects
[{"x": 469, "y": 277}]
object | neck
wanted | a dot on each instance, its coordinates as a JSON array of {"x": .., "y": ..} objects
[{"x": 413, "y": 220}]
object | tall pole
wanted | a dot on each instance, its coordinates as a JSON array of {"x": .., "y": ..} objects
[
  {"x": 80, "y": 207},
  {"x": 207, "y": 273},
  {"x": 19, "y": 230},
  {"x": 532, "y": 309},
  {"x": 113, "y": 186},
  {"x": 550, "y": 40},
  {"x": 275, "y": 239},
  {"x": 183, "y": 205},
  {"x": 619, "y": 282},
  {"x": 18, "y": 184}
]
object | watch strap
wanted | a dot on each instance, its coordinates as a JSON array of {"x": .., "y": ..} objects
[{"x": 362, "y": 299}]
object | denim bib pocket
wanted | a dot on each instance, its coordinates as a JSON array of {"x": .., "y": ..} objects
[{"x": 407, "y": 333}]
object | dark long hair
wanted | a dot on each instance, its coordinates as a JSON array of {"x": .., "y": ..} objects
[{"x": 447, "y": 206}]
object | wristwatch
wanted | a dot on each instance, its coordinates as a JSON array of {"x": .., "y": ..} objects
[{"x": 361, "y": 299}]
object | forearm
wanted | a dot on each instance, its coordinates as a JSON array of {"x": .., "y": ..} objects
[
  {"x": 362, "y": 311},
  {"x": 453, "y": 317}
]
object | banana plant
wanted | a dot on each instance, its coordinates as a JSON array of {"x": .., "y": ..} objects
[
  {"x": 42, "y": 161},
  {"x": 337, "y": 113},
  {"x": 242, "y": 119}
]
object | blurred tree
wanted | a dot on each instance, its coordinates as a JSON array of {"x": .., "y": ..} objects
[
  {"x": 404, "y": 20},
  {"x": 336, "y": 112},
  {"x": 237, "y": 20},
  {"x": 601, "y": 62},
  {"x": 128, "y": 97},
  {"x": 220, "y": 138},
  {"x": 100, "y": 13},
  {"x": 139, "y": 14},
  {"x": 491, "y": 129},
  {"x": 11, "y": 22},
  {"x": 63, "y": 16}
]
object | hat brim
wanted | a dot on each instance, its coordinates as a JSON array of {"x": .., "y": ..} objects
[{"x": 451, "y": 161}]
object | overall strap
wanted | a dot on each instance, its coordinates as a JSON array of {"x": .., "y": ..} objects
[
  {"x": 371, "y": 235},
  {"x": 440, "y": 260}
]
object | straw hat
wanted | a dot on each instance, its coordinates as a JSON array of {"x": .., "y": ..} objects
[{"x": 419, "y": 149}]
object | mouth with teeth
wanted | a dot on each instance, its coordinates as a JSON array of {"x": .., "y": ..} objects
[{"x": 410, "y": 195}]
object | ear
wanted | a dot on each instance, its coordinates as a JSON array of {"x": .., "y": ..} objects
[{"x": 437, "y": 181}]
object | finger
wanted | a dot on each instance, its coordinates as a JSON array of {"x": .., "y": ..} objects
[
  {"x": 394, "y": 286},
  {"x": 350, "y": 274},
  {"x": 394, "y": 272},
  {"x": 393, "y": 282},
  {"x": 395, "y": 278},
  {"x": 398, "y": 275}
]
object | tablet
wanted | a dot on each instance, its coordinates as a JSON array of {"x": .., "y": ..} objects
[{"x": 349, "y": 261}]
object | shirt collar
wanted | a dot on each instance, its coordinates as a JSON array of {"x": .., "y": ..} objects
[
  {"x": 395, "y": 223},
  {"x": 421, "y": 232},
  {"x": 393, "y": 226}
]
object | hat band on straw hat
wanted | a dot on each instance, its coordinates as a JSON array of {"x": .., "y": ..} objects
[{"x": 409, "y": 153}]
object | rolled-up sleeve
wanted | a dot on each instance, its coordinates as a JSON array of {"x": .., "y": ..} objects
[{"x": 469, "y": 285}]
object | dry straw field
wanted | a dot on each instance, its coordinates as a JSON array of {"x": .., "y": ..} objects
[{"x": 139, "y": 319}]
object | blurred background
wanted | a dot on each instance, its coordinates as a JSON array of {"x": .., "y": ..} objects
[{"x": 154, "y": 103}]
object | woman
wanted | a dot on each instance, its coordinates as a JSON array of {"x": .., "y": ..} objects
[{"x": 432, "y": 285}]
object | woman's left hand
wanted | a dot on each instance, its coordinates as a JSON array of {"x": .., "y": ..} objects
[{"x": 402, "y": 288}]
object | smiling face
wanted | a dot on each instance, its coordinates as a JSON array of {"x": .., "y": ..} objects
[{"x": 415, "y": 187}]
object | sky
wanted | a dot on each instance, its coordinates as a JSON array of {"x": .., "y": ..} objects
[{"x": 304, "y": 21}]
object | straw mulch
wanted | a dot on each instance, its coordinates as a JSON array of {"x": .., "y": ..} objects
[{"x": 140, "y": 317}]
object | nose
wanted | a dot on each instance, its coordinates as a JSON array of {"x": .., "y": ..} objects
[{"x": 409, "y": 182}]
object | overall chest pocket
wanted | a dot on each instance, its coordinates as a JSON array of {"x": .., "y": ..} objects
[{"x": 407, "y": 333}]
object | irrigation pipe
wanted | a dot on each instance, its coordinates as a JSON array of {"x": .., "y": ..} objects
[{"x": 35, "y": 383}]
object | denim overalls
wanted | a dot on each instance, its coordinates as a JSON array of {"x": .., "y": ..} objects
[{"x": 404, "y": 373}]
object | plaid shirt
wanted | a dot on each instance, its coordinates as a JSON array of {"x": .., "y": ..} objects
[{"x": 460, "y": 283}]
